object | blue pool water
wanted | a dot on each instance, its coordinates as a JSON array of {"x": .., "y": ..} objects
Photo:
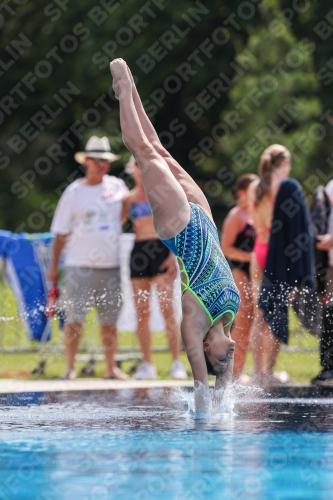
[{"x": 145, "y": 444}]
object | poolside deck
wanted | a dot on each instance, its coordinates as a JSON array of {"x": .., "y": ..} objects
[
  {"x": 11, "y": 386},
  {"x": 8, "y": 386}
]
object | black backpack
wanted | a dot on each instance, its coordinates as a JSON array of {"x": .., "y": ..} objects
[
  {"x": 311, "y": 310},
  {"x": 320, "y": 211}
]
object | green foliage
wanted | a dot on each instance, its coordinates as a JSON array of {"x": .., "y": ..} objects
[
  {"x": 68, "y": 48},
  {"x": 314, "y": 21},
  {"x": 275, "y": 100}
]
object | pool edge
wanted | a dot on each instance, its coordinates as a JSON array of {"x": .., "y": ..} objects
[{"x": 14, "y": 386}]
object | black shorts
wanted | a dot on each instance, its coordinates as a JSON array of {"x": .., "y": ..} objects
[{"x": 147, "y": 257}]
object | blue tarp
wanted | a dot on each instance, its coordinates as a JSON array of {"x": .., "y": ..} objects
[{"x": 26, "y": 257}]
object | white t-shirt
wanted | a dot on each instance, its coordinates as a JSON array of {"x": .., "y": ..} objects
[{"x": 91, "y": 216}]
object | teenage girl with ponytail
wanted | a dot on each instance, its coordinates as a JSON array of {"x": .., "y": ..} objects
[
  {"x": 237, "y": 241},
  {"x": 274, "y": 167}
]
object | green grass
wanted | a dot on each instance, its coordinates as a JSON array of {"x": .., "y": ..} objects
[
  {"x": 301, "y": 366},
  {"x": 12, "y": 334}
]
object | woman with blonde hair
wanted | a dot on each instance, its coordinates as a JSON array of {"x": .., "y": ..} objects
[
  {"x": 274, "y": 167},
  {"x": 237, "y": 241}
]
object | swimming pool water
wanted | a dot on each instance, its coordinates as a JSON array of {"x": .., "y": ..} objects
[{"x": 145, "y": 444}]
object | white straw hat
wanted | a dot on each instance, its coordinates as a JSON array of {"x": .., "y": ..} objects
[{"x": 97, "y": 147}]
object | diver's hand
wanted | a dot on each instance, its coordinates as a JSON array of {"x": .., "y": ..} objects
[
  {"x": 325, "y": 243},
  {"x": 169, "y": 265},
  {"x": 202, "y": 398}
]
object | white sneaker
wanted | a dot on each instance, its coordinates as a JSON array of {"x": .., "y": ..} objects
[
  {"x": 69, "y": 375},
  {"x": 244, "y": 379},
  {"x": 146, "y": 371},
  {"x": 178, "y": 370},
  {"x": 281, "y": 378}
]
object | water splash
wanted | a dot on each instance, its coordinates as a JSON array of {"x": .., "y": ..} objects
[{"x": 215, "y": 402}]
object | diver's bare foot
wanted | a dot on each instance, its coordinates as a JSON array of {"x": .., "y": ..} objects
[
  {"x": 135, "y": 94},
  {"x": 120, "y": 75},
  {"x": 130, "y": 75}
]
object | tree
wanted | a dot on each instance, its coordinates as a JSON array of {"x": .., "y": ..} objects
[
  {"x": 274, "y": 101},
  {"x": 190, "y": 59},
  {"x": 55, "y": 66},
  {"x": 314, "y": 20}
]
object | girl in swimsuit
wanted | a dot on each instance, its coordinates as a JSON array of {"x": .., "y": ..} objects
[
  {"x": 151, "y": 263},
  {"x": 237, "y": 241},
  {"x": 274, "y": 166},
  {"x": 182, "y": 219}
]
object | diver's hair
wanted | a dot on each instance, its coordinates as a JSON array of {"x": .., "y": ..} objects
[
  {"x": 242, "y": 183},
  {"x": 270, "y": 160},
  {"x": 129, "y": 167},
  {"x": 209, "y": 365}
]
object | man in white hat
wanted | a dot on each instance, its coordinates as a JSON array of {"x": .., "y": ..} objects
[{"x": 88, "y": 224}]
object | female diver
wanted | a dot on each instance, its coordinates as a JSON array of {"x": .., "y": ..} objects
[{"x": 183, "y": 220}]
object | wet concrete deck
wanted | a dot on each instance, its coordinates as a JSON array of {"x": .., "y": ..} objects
[{"x": 8, "y": 386}]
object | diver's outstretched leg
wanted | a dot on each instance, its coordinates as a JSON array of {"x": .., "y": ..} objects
[
  {"x": 167, "y": 199},
  {"x": 192, "y": 190}
]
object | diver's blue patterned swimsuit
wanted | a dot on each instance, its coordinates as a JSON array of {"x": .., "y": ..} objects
[{"x": 208, "y": 275}]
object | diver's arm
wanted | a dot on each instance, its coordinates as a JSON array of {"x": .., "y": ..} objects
[
  {"x": 192, "y": 339},
  {"x": 196, "y": 357}
]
